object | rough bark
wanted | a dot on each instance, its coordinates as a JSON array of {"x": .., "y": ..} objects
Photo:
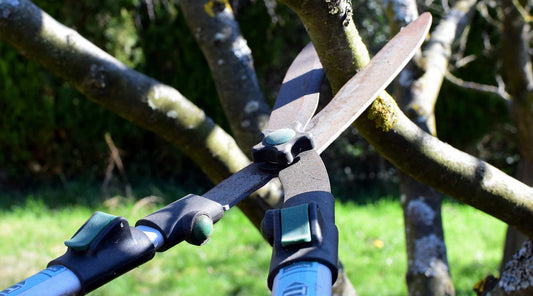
[
  {"x": 513, "y": 241},
  {"x": 132, "y": 95},
  {"x": 404, "y": 144},
  {"x": 516, "y": 278},
  {"x": 416, "y": 91}
]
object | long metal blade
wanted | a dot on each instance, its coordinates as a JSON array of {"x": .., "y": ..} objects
[
  {"x": 298, "y": 97},
  {"x": 359, "y": 92}
]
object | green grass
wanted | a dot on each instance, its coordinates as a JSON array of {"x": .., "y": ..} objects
[
  {"x": 235, "y": 261},
  {"x": 474, "y": 241}
]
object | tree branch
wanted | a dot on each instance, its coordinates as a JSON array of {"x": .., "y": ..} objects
[
  {"x": 134, "y": 96},
  {"x": 409, "y": 148},
  {"x": 230, "y": 60},
  {"x": 484, "y": 88},
  {"x": 523, "y": 12}
]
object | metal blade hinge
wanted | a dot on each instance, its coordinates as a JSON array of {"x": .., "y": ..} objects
[{"x": 279, "y": 148}]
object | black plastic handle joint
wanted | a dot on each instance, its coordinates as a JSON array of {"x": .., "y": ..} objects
[
  {"x": 104, "y": 248},
  {"x": 188, "y": 218}
]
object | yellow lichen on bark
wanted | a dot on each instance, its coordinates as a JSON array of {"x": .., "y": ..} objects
[
  {"x": 383, "y": 112},
  {"x": 213, "y": 6}
]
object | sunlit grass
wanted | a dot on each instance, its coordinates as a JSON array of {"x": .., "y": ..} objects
[
  {"x": 372, "y": 246},
  {"x": 236, "y": 260}
]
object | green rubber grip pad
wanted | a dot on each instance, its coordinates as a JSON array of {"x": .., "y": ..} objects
[
  {"x": 295, "y": 228},
  {"x": 89, "y": 231}
]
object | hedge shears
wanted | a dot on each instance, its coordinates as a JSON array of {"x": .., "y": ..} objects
[{"x": 302, "y": 232}]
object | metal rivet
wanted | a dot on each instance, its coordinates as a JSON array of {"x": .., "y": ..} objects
[{"x": 280, "y": 136}]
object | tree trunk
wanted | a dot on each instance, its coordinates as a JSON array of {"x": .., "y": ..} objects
[
  {"x": 427, "y": 262},
  {"x": 518, "y": 75},
  {"x": 416, "y": 91},
  {"x": 428, "y": 272}
]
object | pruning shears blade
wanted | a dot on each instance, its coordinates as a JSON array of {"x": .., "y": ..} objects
[
  {"x": 298, "y": 97},
  {"x": 361, "y": 90}
]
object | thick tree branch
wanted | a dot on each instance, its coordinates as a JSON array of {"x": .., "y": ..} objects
[
  {"x": 230, "y": 60},
  {"x": 108, "y": 82},
  {"x": 132, "y": 95},
  {"x": 409, "y": 148}
]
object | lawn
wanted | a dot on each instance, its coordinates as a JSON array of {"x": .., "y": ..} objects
[{"x": 235, "y": 261}]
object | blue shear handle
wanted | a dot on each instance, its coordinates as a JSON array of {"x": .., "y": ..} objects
[
  {"x": 303, "y": 279},
  {"x": 53, "y": 281}
]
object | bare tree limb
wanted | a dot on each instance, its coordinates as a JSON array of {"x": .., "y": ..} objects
[
  {"x": 132, "y": 95},
  {"x": 409, "y": 148},
  {"x": 485, "y": 88},
  {"x": 230, "y": 60},
  {"x": 523, "y": 12}
]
